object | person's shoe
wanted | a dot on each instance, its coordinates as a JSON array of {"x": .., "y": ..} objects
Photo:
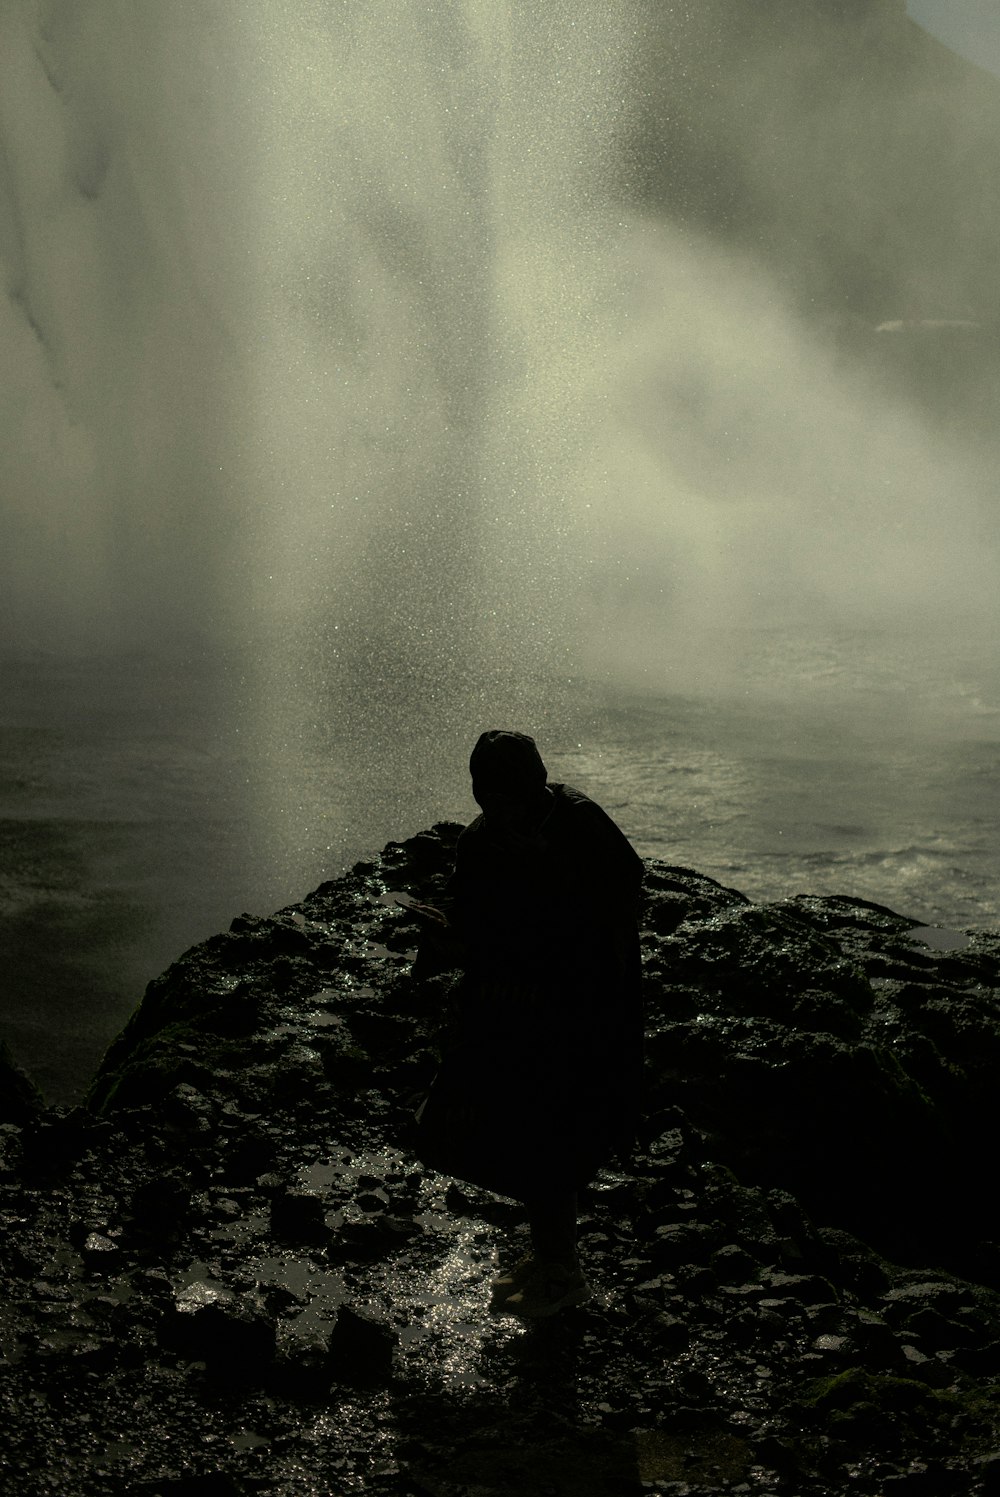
[
  {"x": 548, "y": 1288},
  {"x": 513, "y": 1280}
]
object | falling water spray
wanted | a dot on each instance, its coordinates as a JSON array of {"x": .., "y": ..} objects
[{"x": 379, "y": 351}]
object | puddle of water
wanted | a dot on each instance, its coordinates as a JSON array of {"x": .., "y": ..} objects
[
  {"x": 240, "y": 1231},
  {"x": 940, "y": 938},
  {"x": 198, "y": 1272},
  {"x": 319, "y": 1178},
  {"x": 64, "y": 1261},
  {"x": 301, "y": 1275},
  {"x": 444, "y": 1308},
  {"x": 294, "y": 1019},
  {"x": 319, "y": 1291},
  {"x": 295, "y": 1027},
  {"x": 119, "y": 1291},
  {"x": 341, "y": 1173},
  {"x": 247, "y": 1440},
  {"x": 375, "y": 951},
  {"x": 434, "y": 1290}
]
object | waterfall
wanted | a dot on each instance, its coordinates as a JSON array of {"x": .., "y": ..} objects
[{"x": 427, "y": 359}]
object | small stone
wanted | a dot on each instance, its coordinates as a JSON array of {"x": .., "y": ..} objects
[
  {"x": 98, "y": 1250},
  {"x": 935, "y": 1331},
  {"x": 669, "y": 1332},
  {"x": 732, "y": 1264},
  {"x": 808, "y": 1289},
  {"x": 695, "y": 1278},
  {"x": 372, "y": 1200},
  {"x": 197, "y": 1295}
]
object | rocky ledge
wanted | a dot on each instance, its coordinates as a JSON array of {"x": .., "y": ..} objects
[{"x": 226, "y": 1273}]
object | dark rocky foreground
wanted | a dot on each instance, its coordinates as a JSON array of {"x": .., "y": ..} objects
[{"x": 228, "y": 1275}]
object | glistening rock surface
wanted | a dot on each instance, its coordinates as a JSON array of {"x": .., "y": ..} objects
[{"x": 228, "y": 1275}]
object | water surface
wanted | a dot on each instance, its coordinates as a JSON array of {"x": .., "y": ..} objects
[{"x": 142, "y": 807}]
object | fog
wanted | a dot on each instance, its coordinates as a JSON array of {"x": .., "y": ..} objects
[{"x": 423, "y": 361}]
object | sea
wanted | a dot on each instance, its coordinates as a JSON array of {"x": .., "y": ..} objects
[{"x": 142, "y": 806}]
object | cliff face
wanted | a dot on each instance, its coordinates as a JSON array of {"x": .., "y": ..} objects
[
  {"x": 838, "y": 142},
  {"x": 230, "y": 1274}
]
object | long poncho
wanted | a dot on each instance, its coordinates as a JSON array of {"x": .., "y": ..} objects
[{"x": 541, "y": 1082}]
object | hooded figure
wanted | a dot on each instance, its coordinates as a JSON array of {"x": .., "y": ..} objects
[{"x": 541, "y": 1084}]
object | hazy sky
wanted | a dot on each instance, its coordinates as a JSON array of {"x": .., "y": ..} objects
[{"x": 971, "y": 27}]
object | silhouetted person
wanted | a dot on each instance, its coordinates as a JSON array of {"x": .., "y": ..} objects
[{"x": 540, "y": 1086}]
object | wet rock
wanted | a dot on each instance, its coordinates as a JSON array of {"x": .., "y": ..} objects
[
  {"x": 299, "y": 1216},
  {"x": 806, "y": 1289},
  {"x": 188, "y": 1108},
  {"x": 856, "y": 1404},
  {"x": 668, "y": 1332},
  {"x": 987, "y": 1469},
  {"x": 838, "y": 1347},
  {"x": 459, "y": 1199},
  {"x": 232, "y": 1335},
  {"x": 55, "y": 1140},
  {"x": 732, "y": 1264},
  {"x": 683, "y": 1242},
  {"x": 11, "y": 1151},
  {"x": 806, "y": 1123},
  {"x": 99, "y": 1250},
  {"x": 246, "y": 1155},
  {"x": 940, "y": 1294},
  {"x": 936, "y": 1372},
  {"x": 935, "y": 1331},
  {"x": 361, "y": 1348},
  {"x": 20, "y": 1099},
  {"x": 371, "y": 1238},
  {"x": 159, "y": 1206},
  {"x": 852, "y": 1262},
  {"x": 672, "y": 896},
  {"x": 875, "y": 1339}
]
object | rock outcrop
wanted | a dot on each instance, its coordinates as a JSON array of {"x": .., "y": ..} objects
[{"x": 227, "y": 1273}]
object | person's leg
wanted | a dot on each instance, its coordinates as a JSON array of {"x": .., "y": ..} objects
[
  {"x": 550, "y": 1279},
  {"x": 552, "y": 1223}
]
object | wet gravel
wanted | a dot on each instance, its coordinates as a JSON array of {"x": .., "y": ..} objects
[{"x": 229, "y": 1273}]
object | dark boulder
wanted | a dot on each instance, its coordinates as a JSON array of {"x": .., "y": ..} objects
[
  {"x": 361, "y": 1348},
  {"x": 233, "y": 1335},
  {"x": 20, "y": 1099}
]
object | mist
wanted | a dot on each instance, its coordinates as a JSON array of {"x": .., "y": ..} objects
[
  {"x": 414, "y": 368},
  {"x": 302, "y": 303}
]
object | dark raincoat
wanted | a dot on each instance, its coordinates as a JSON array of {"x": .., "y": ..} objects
[{"x": 541, "y": 1083}]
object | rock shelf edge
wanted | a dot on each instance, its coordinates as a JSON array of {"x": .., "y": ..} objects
[{"x": 227, "y": 1273}]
